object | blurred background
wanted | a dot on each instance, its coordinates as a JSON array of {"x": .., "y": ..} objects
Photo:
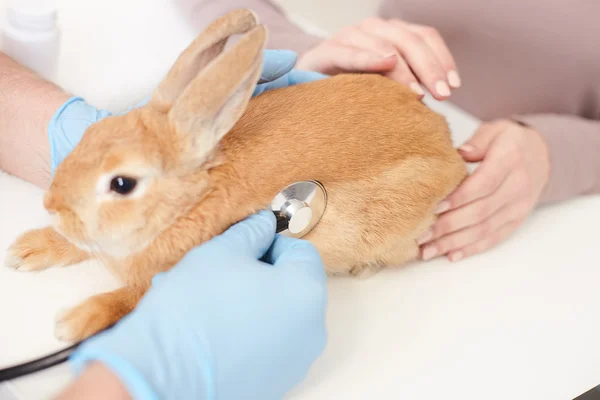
[{"x": 322, "y": 14}]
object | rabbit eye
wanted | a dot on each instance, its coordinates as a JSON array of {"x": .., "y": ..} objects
[{"x": 122, "y": 185}]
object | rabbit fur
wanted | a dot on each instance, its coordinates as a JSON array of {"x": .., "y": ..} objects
[{"x": 205, "y": 155}]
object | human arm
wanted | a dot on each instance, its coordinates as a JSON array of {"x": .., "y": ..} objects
[
  {"x": 241, "y": 316},
  {"x": 27, "y": 103}
]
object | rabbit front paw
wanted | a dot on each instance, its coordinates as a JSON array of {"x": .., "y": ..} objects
[
  {"x": 80, "y": 322},
  {"x": 95, "y": 314},
  {"x": 42, "y": 248}
]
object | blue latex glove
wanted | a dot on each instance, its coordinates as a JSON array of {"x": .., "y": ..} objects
[
  {"x": 72, "y": 119},
  {"x": 222, "y": 324}
]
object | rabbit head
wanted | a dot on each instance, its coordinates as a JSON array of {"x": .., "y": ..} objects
[{"x": 132, "y": 175}]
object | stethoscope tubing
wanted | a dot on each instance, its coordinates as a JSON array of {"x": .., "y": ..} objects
[{"x": 37, "y": 365}]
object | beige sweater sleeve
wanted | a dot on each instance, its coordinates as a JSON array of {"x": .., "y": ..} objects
[
  {"x": 283, "y": 34},
  {"x": 574, "y": 146}
]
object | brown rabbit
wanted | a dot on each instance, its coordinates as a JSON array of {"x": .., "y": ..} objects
[{"x": 142, "y": 189}]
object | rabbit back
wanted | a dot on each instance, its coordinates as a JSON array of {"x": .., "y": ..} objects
[{"x": 385, "y": 159}]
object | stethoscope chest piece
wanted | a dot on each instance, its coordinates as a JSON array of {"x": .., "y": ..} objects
[{"x": 299, "y": 208}]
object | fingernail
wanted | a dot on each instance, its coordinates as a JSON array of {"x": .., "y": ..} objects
[
  {"x": 442, "y": 88},
  {"x": 442, "y": 207},
  {"x": 454, "y": 257},
  {"x": 467, "y": 148},
  {"x": 454, "y": 79},
  {"x": 391, "y": 55},
  {"x": 425, "y": 237},
  {"x": 429, "y": 253},
  {"x": 417, "y": 88}
]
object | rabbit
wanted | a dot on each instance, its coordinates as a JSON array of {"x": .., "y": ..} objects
[{"x": 143, "y": 188}]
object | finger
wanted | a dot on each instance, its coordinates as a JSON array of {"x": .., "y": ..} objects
[
  {"x": 294, "y": 77},
  {"x": 476, "y": 147},
  {"x": 402, "y": 73},
  {"x": 276, "y": 63},
  {"x": 289, "y": 252},
  {"x": 356, "y": 38},
  {"x": 332, "y": 58},
  {"x": 486, "y": 243},
  {"x": 417, "y": 53},
  {"x": 475, "y": 212},
  {"x": 458, "y": 239},
  {"x": 440, "y": 49},
  {"x": 253, "y": 236},
  {"x": 486, "y": 179}
]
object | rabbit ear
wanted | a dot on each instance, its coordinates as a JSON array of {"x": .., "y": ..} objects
[
  {"x": 215, "y": 100},
  {"x": 208, "y": 45}
]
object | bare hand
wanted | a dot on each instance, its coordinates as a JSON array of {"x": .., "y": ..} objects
[
  {"x": 408, "y": 53},
  {"x": 496, "y": 199}
]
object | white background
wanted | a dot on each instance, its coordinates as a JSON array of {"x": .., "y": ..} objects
[{"x": 519, "y": 322}]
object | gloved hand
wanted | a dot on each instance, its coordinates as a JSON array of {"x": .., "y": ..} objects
[
  {"x": 70, "y": 121},
  {"x": 222, "y": 324}
]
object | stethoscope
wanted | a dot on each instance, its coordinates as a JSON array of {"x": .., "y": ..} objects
[{"x": 298, "y": 208}]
